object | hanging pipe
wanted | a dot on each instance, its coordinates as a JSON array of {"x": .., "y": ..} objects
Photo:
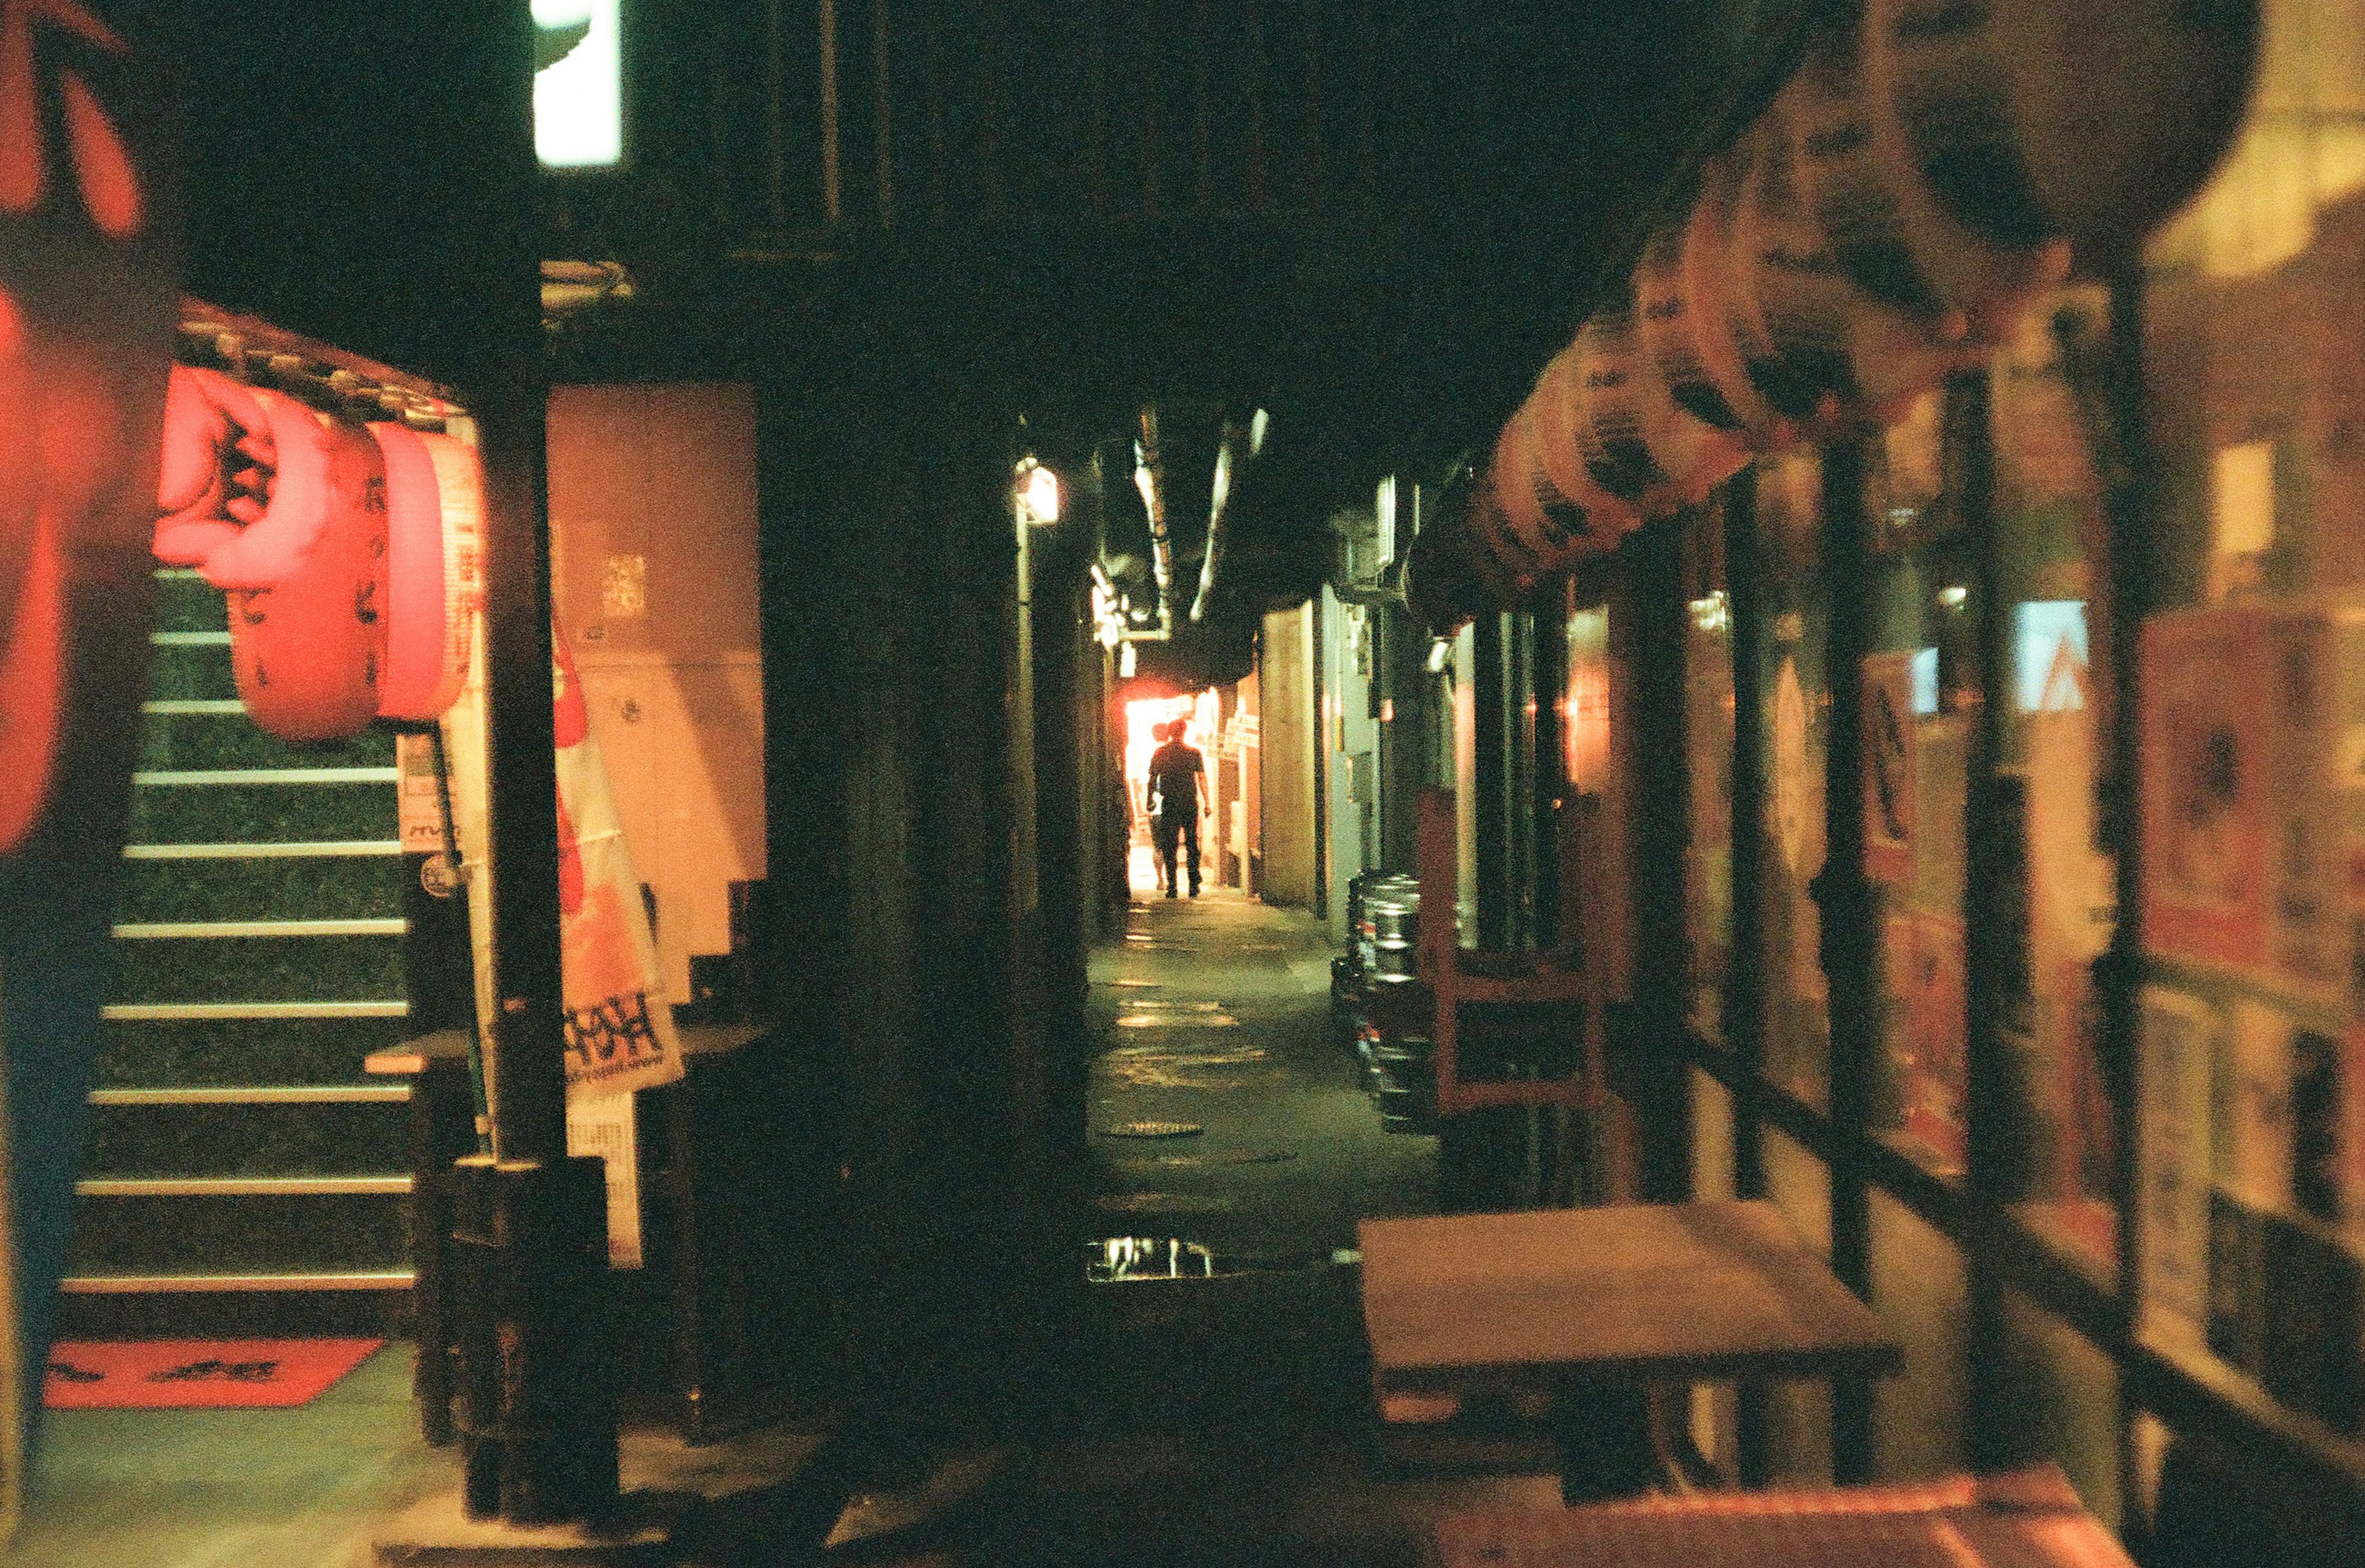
[
  {"x": 1145, "y": 476},
  {"x": 1239, "y": 448}
]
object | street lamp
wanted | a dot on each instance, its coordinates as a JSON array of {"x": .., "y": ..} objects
[{"x": 1038, "y": 492}]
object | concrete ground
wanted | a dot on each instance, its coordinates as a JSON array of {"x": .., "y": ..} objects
[
  {"x": 1220, "y": 1420},
  {"x": 1227, "y": 1420},
  {"x": 298, "y": 1488}
]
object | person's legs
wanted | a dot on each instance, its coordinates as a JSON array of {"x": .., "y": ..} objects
[
  {"x": 1190, "y": 837},
  {"x": 1168, "y": 829}
]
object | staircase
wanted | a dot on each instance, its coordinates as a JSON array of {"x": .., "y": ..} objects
[{"x": 242, "y": 1173}]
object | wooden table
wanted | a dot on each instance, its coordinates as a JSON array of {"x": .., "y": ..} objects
[
  {"x": 2028, "y": 1519},
  {"x": 1596, "y": 1305}
]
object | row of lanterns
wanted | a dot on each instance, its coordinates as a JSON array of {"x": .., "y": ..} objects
[
  {"x": 352, "y": 554},
  {"x": 1904, "y": 199}
]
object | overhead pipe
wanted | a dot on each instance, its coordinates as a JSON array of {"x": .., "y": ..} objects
[
  {"x": 1239, "y": 448},
  {"x": 1146, "y": 479},
  {"x": 1836, "y": 266}
]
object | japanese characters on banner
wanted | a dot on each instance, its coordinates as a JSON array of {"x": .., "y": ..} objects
[
  {"x": 619, "y": 1027},
  {"x": 420, "y": 801},
  {"x": 619, "y": 1034}
]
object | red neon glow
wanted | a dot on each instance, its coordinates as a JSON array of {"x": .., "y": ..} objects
[
  {"x": 30, "y": 677},
  {"x": 103, "y": 168},
  {"x": 570, "y": 724}
]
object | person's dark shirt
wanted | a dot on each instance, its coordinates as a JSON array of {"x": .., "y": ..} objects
[{"x": 1174, "y": 771}]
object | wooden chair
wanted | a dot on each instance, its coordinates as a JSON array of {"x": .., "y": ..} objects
[{"x": 1455, "y": 975}]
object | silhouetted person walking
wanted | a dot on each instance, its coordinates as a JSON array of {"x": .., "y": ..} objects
[{"x": 1175, "y": 769}]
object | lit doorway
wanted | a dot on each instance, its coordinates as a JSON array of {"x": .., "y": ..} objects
[{"x": 1144, "y": 717}]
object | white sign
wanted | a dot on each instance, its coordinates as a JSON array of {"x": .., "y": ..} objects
[{"x": 578, "y": 84}]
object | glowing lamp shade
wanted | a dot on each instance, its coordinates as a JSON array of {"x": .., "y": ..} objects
[
  {"x": 434, "y": 568},
  {"x": 1043, "y": 495},
  {"x": 307, "y": 652}
]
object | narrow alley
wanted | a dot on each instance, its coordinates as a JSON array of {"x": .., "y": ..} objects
[{"x": 1226, "y": 1418}]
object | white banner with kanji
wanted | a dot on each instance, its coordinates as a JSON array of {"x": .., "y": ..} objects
[{"x": 619, "y": 1033}]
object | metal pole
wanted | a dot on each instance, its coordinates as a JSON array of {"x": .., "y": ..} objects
[
  {"x": 527, "y": 1087},
  {"x": 529, "y": 1234},
  {"x": 829, "y": 188},
  {"x": 882, "y": 42},
  {"x": 1844, "y": 895}
]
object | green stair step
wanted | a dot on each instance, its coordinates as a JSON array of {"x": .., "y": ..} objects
[
  {"x": 175, "y": 737},
  {"x": 217, "y": 1052},
  {"x": 246, "y": 1140},
  {"x": 259, "y": 968},
  {"x": 253, "y": 808},
  {"x": 318, "y": 887},
  {"x": 178, "y": 673},
  {"x": 238, "y": 1234},
  {"x": 186, "y": 602}
]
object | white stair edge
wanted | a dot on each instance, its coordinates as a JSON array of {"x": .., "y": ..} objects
[
  {"x": 223, "y": 778},
  {"x": 178, "y": 1012},
  {"x": 260, "y": 1095},
  {"x": 166, "y": 1284},
  {"x": 323, "y": 849},
  {"x": 174, "y": 706},
  {"x": 189, "y": 930},
  {"x": 242, "y": 1187}
]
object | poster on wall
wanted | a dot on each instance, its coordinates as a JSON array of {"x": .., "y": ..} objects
[
  {"x": 2204, "y": 739},
  {"x": 2172, "y": 1159},
  {"x": 2316, "y": 750},
  {"x": 1937, "y": 1013},
  {"x": 2254, "y": 1101},
  {"x": 1889, "y": 801}
]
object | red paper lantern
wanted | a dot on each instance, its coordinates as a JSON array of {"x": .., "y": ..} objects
[
  {"x": 1556, "y": 407},
  {"x": 307, "y": 651},
  {"x": 218, "y": 466},
  {"x": 434, "y": 492}
]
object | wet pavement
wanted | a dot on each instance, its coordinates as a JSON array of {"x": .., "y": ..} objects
[{"x": 1227, "y": 1419}]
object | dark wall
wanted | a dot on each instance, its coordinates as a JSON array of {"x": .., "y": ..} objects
[
  {"x": 888, "y": 595},
  {"x": 352, "y": 174}
]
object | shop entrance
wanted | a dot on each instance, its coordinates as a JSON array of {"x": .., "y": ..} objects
[{"x": 1148, "y": 727}]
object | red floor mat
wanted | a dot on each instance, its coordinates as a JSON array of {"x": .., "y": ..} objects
[{"x": 160, "y": 1374}]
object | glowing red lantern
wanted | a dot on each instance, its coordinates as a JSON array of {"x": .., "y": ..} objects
[
  {"x": 307, "y": 650},
  {"x": 434, "y": 493},
  {"x": 1556, "y": 407},
  {"x": 31, "y": 598},
  {"x": 247, "y": 485},
  {"x": 217, "y": 465},
  {"x": 1715, "y": 379}
]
